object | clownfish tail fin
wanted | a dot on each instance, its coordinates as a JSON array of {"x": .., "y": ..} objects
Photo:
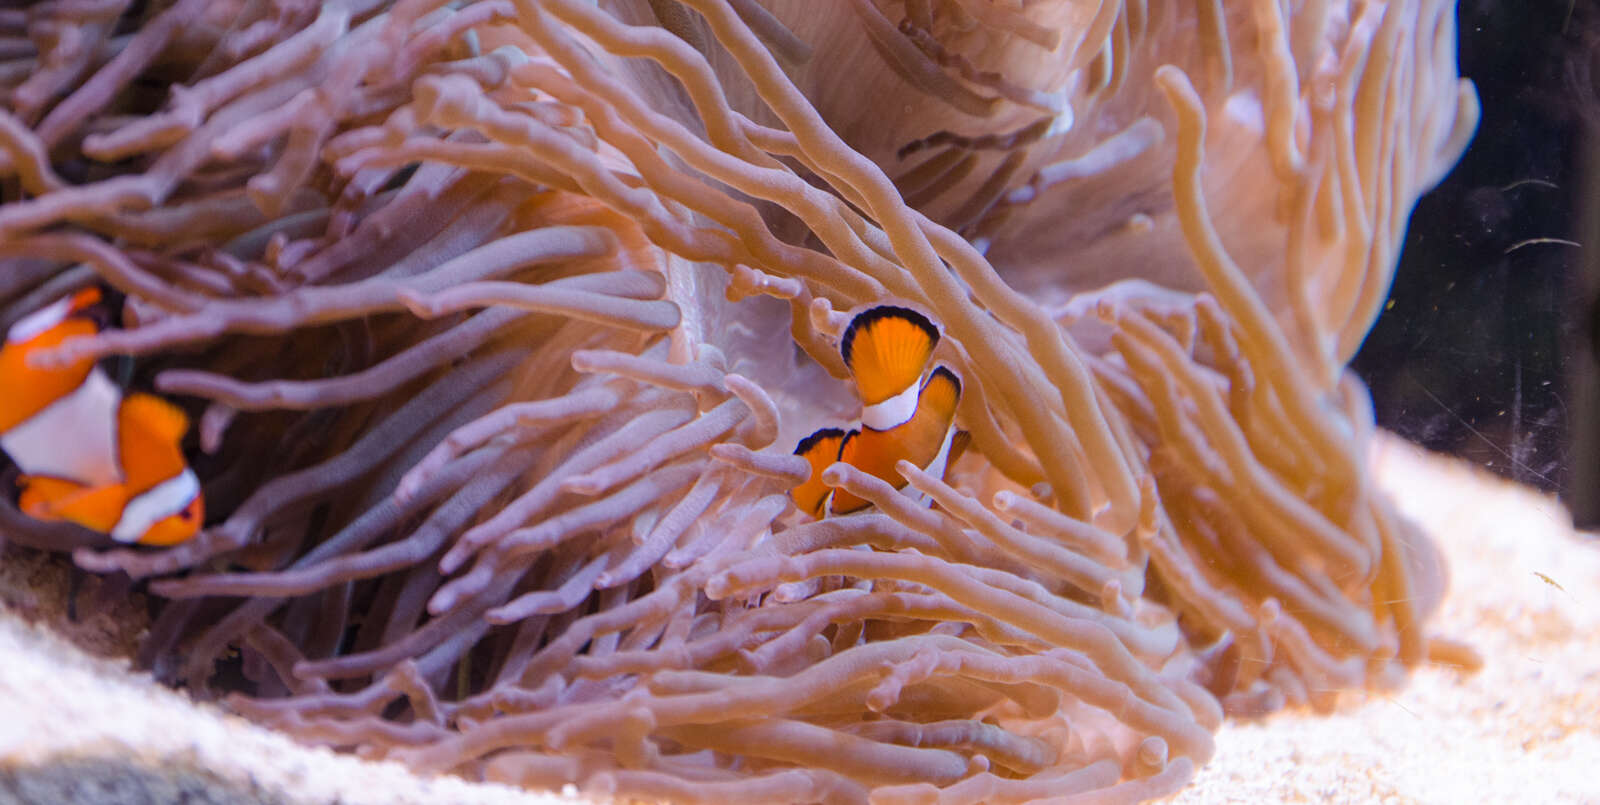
[{"x": 886, "y": 348}]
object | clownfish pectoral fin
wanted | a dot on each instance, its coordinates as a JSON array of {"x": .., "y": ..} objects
[
  {"x": 94, "y": 507},
  {"x": 887, "y": 348},
  {"x": 820, "y": 449},
  {"x": 924, "y": 440}
]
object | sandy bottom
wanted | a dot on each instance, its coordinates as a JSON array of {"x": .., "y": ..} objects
[{"x": 1525, "y": 590}]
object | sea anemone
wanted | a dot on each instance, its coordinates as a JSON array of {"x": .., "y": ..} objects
[{"x": 500, "y": 319}]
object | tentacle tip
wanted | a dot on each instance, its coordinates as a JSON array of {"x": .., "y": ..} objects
[
  {"x": 441, "y": 602},
  {"x": 97, "y": 146},
  {"x": 92, "y": 560},
  {"x": 1170, "y": 72},
  {"x": 63, "y": 355},
  {"x": 880, "y": 700},
  {"x": 586, "y": 485},
  {"x": 719, "y": 587},
  {"x": 1153, "y": 753},
  {"x": 790, "y": 593},
  {"x": 456, "y": 557},
  {"x": 1269, "y": 611},
  {"x": 417, "y": 304}
]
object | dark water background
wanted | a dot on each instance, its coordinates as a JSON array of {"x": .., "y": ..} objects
[{"x": 1486, "y": 335}]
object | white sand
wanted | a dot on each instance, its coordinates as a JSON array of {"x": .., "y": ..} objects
[
  {"x": 1524, "y": 729},
  {"x": 56, "y": 702}
]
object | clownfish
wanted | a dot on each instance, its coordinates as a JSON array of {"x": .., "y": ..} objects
[
  {"x": 907, "y": 412},
  {"x": 87, "y": 453}
]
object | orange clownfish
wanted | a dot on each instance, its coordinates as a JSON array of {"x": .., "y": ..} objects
[
  {"x": 88, "y": 454},
  {"x": 907, "y": 412}
]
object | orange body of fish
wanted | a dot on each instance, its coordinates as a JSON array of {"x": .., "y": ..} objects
[
  {"x": 908, "y": 413},
  {"x": 87, "y": 453}
]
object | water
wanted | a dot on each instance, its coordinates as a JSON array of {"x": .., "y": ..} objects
[{"x": 1485, "y": 340}]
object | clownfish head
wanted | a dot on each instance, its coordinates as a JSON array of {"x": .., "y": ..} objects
[
  {"x": 887, "y": 349},
  {"x": 167, "y": 514}
]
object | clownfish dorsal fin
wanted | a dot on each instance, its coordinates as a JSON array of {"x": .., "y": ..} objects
[
  {"x": 886, "y": 349},
  {"x": 821, "y": 450}
]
